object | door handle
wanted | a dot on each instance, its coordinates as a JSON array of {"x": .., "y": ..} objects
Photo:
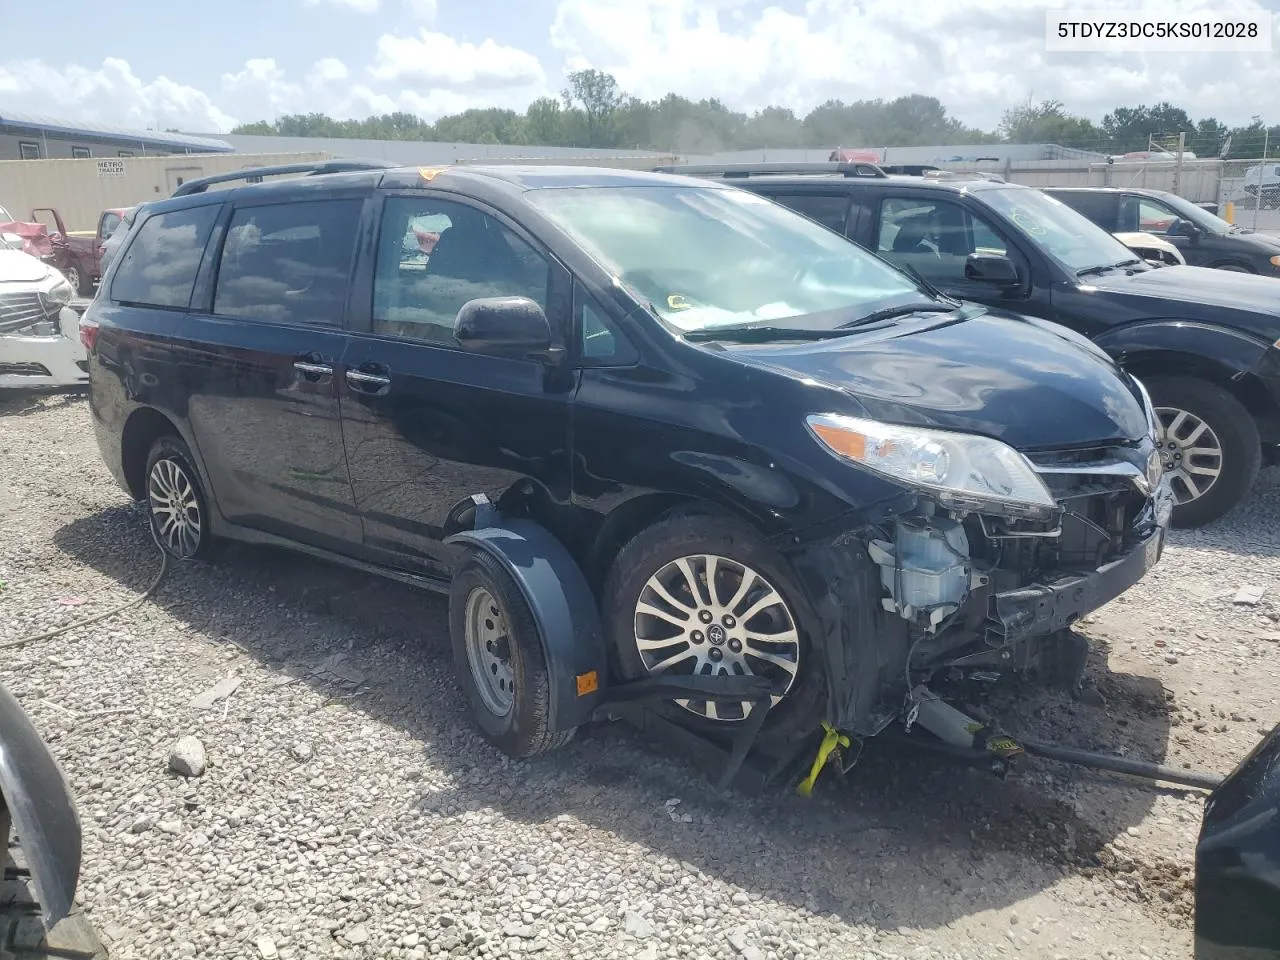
[
  {"x": 313, "y": 369},
  {"x": 374, "y": 384}
]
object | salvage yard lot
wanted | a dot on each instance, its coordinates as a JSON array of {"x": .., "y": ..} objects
[{"x": 350, "y": 809}]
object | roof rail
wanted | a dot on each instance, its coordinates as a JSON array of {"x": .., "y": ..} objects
[
  {"x": 255, "y": 174},
  {"x": 848, "y": 169},
  {"x": 963, "y": 175}
]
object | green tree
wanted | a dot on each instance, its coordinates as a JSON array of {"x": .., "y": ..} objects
[
  {"x": 1048, "y": 122},
  {"x": 600, "y": 98}
]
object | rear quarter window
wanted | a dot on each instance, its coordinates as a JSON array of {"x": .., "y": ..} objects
[
  {"x": 1098, "y": 207},
  {"x": 159, "y": 268}
]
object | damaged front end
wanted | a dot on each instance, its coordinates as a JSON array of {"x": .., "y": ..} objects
[
  {"x": 976, "y": 591},
  {"x": 39, "y": 331}
]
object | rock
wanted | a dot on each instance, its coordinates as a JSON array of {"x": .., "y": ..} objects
[
  {"x": 650, "y": 952},
  {"x": 599, "y": 925},
  {"x": 523, "y": 870},
  {"x": 519, "y": 930},
  {"x": 187, "y": 757},
  {"x": 637, "y": 926},
  {"x": 172, "y": 827},
  {"x": 301, "y": 752},
  {"x": 410, "y": 940},
  {"x": 740, "y": 898},
  {"x": 267, "y": 948},
  {"x": 1170, "y": 659},
  {"x": 738, "y": 940},
  {"x": 1249, "y": 595},
  {"x": 356, "y": 935},
  {"x": 142, "y": 824}
]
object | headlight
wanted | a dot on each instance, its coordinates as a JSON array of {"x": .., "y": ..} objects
[
  {"x": 962, "y": 469},
  {"x": 61, "y": 294},
  {"x": 1275, "y": 261},
  {"x": 1153, "y": 422}
]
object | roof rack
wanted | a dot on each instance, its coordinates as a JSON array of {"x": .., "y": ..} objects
[
  {"x": 255, "y": 174},
  {"x": 962, "y": 175},
  {"x": 848, "y": 169}
]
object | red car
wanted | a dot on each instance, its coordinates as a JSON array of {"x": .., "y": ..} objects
[{"x": 46, "y": 237}]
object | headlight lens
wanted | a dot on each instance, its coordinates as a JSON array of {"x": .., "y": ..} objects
[
  {"x": 61, "y": 294},
  {"x": 1275, "y": 261},
  {"x": 961, "y": 468},
  {"x": 1153, "y": 423}
]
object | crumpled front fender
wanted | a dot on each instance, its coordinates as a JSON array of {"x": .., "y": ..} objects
[{"x": 42, "y": 808}]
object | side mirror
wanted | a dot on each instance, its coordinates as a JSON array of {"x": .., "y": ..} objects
[
  {"x": 990, "y": 268},
  {"x": 514, "y": 327},
  {"x": 1183, "y": 228}
]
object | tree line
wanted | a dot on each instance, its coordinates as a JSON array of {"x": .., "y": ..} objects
[{"x": 593, "y": 111}]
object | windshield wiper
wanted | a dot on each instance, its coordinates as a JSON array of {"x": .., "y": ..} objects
[
  {"x": 1104, "y": 267},
  {"x": 759, "y": 334},
  {"x": 889, "y": 312}
]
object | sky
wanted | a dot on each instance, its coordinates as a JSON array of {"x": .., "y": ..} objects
[{"x": 204, "y": 69}]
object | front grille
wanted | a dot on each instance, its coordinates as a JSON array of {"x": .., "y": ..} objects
[
  {"x": 19, "y": 310},
  {"x": 24, "y": 370}
]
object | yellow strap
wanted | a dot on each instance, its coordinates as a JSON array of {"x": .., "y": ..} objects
[{"x": 830, "y": 741}]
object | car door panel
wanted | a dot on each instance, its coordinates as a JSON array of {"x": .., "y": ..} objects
[
  {"x": 426, "y": 424},
  {"x": 263, "y": 361}
]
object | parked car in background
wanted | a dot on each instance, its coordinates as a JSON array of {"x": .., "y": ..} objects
[
  {"x": 722, "y": 442},
  {"x": 1203, "y": 341},
  {"x": 112, "y": 239},
  {"x": 1204, "y": 239},
  {"x": 1157, "y": 252},
  {"x": 39, "y": 339},
  {"x": 1261, "y": 184}
]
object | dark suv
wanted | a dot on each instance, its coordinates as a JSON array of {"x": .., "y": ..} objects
[
  {"x": 1204, "y": 342},
  {"x": 635, "y": 425},
  {"x": 1205, "y": 240}
]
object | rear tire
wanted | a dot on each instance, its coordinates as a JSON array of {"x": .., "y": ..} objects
[
  {"x": 177, "y": 506},
  {"x": 1204, "y": 428},
  {"x": 499, "y": 660},
  {"x": 649, "y": 571}
]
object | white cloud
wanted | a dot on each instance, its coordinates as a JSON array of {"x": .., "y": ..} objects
[
  {"x": 359, "y": 6},
  {"x": 422, "y": 9},
  {"x": 111, "y": 93},
  {"x": 439, "y": 60},
  {"x": 977, "y": 56},
  {"x": 329, "y": 70}
]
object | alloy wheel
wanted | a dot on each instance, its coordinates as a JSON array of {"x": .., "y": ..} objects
[
  {"x": 709, "y": 615},
  {"x": 488, "y": 648},
  {"x": 175, "y": 508},
  {"x": 1190, "y": 452}
]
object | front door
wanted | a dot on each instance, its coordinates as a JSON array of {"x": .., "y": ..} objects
[
  {"x": 427, "y": 424},
  {"x": 934, "y": 236},
  {"x": 261, "y": 364}
]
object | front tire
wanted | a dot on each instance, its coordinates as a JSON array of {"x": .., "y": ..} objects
[
  {"x": 1209, "y": 444},
  {"x": 176, "y": 502},
  {"x": 499, "y": 660},
  {"x": 705, "y": 594}
]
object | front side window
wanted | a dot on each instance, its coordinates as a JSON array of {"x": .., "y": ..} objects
[
  {"x": 934, "y": 237},
  {"x": 159, "y": 269},
  {"x": 109, "y": 223},
  {"x": 1065, "y": 236},
  {"x": 707, "y": 257},
  {"x": 436, "y": 255},
  {"x": 288, "y": 262}
]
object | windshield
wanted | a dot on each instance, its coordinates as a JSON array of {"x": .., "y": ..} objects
[
  {"x": 705, "y": 257},
  {"x": 1197, "y": 215},
  {"x": 1070, "y": 238}
]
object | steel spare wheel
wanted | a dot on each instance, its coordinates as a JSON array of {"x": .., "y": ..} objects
[{"x": 711, "y": 615}]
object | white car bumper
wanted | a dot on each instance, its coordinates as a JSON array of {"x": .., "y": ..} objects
[{"x": 54, "y": 360}]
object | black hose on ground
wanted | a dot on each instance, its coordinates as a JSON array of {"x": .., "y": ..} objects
[{"x": 1137, "y": 768}]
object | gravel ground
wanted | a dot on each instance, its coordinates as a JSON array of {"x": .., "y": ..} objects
[{"x": 349, "y": 809}]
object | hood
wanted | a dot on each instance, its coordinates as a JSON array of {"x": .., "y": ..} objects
[
  {"x": 1195, "y": 288},
  {"x": 1027, "y": 382},
  {"x": 19, "y": 267}
]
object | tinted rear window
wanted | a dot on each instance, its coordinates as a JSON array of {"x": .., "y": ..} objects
[
  {"x": 289, "y": 262},
  {"x": 160, "y": 266}
]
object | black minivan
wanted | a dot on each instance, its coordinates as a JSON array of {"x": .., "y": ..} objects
[{"x": 636, "y": 425}]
